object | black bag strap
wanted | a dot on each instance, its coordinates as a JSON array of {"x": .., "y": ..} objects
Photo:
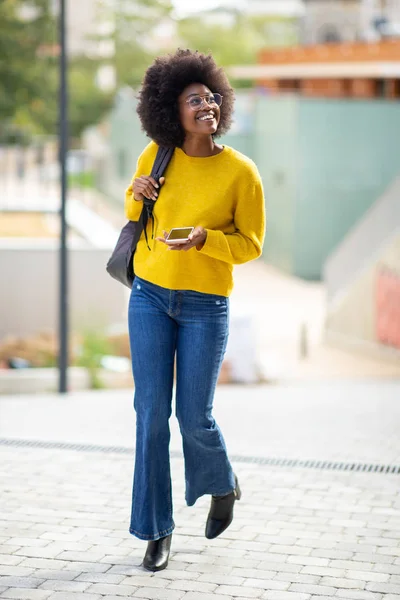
[{"x": 160, "y": 164}]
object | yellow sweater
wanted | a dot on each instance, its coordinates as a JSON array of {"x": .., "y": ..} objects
[{"x": 223, "y": 194}]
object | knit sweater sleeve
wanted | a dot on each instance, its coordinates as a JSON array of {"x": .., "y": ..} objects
[
  {"x": 246, "y": 241},
  {"x": 133, "y": 208}
]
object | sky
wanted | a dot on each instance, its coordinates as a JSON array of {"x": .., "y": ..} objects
[{"x": 186, "y": 7}]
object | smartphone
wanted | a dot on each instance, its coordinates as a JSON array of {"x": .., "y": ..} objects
[{"x": 177, "y": 235}]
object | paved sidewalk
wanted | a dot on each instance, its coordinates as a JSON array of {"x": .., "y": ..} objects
[
  {"x": 336, "y": 420},
  {"x": 298, "y": 533},
  {"x": 281, "y": 306}
]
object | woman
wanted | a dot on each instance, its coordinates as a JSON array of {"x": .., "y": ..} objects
[{"x": 179, "y": 305}]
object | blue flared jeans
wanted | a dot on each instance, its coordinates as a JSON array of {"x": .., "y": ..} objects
[{"x": 192, "y": 328}]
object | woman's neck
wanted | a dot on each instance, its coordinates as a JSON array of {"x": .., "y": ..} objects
[{"x": 195, "y": 146}]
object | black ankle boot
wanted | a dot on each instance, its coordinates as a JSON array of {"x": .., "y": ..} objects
[
  {"x": 221, "y": 512},
  {"x": 157, "y": 554}
]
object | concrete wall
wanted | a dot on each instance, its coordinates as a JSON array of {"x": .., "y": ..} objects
[
  {"x": 323, "y": 164},
  {"x": 360, "y": 318},
  {"x": 29, "y": 289},
  {"x": 347, "y": 156},
  {"x": 276, "y": 155}
]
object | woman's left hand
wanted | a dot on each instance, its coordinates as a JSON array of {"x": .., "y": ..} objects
[{"x": 196, "y": 239}]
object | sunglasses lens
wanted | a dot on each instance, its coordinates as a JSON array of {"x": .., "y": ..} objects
[
  {"x": 195, "y": 102},
  {"x": 217, "y": 99}
]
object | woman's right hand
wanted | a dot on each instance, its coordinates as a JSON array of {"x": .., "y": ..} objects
[{"x": 146, "y": 187}]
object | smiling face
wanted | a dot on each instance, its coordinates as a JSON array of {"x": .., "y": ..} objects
[{"x": 198, "y": 122}]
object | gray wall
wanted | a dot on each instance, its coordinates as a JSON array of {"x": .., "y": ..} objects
[
  {"x": 352, "y": 321},
  {"x": 323, "y": 164},
  {"x": 276, "y": 156},
  {"x": 29, "y": 289}
]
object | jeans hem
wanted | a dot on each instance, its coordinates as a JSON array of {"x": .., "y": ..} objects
[
  {"x": 154, "y": 537},
  {"x": 193, "y": 502}
]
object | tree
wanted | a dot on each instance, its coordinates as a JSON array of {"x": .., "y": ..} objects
[
  {"x": 29, "y": 74},
  {"x": 133, "y": 26},
  {"x": 20, "y": 62},
  {"x": 87, "y": 103},
  {"x": 234, "y": 38}
]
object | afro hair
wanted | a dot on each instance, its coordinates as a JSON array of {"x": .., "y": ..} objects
[{"x": 163, "y": 83}]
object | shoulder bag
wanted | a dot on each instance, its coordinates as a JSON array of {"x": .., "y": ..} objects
[{"x": 120, "y": 263}]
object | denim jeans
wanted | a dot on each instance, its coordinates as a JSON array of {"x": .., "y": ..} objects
[{"x": 193, "y": 327}]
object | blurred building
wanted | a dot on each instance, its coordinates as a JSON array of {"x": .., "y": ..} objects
[
  {"x": 343, "y": 70},
  {"x": 279, "y": 20},
  {"x": 327, "y": 21},
  {"x": 331, "y": 21},
  {"x": 286, "y": 8},
  {"x": 82, "y": 23}
]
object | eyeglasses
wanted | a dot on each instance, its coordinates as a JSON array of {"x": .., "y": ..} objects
[{"x": 197, "y": 102}]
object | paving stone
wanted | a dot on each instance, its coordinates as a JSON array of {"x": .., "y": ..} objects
[
  {"x": 26, "y": 594},
  {"x": 200, "y": 596},
  {"x": 64, "y": 586},
  {"x": 109, "y": 588},
  {"x": 74, "y": 596},
  {"x": 274, "y": 595},
  {"x": 308, "y": 560},
  {"x": 208, "y": 568},
  {"x": 221, "y": 579},
  {"x": 367, "y": 576},
  {"x": 231, "y": 590},
  {"x": 307, "y": 588},
  {"x": 146, "y": 579},
  {"x": 54, "y": 536},
  {"x": 289, "y": 550},
  {"x": 81, "y": 556},
  {"x": 351, "y": 564},
  {"x": 358, "y": 595},
  {"x": 52, "y": 574},
  {"x": 267, "y": 584},
  {"x": 157, "y": 594},
  {"x": 87, "y": 567},
  {"x": 43, "y": 563},
  {"x": 27, "y": 542},
  {"x": 10, "y": 559},
  {"x": 38, "y": 552},
  {"x": 384, "y": 588},
  {"x": 9, "y": 549},
  {"x": 296, "y": 578},
  {"x": 17, "y": 571},
  {"x": 332, "y": 554},
  {"x": 20, "y": 582},
  {"x": 390, "y": 550},
  {"x": 225, "y": 552},
  {"x": 122, "y": 560},
  {"x": 100, "y": 578},
  {"x": 383, "y": 558},
  {"x": 321, "y": 571},
  {"x": 281, "y": 567},
  {"x": 313, "y": 597},
  {"x": 192, "y": 586},
  {"x": 341, "y": 582}
]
